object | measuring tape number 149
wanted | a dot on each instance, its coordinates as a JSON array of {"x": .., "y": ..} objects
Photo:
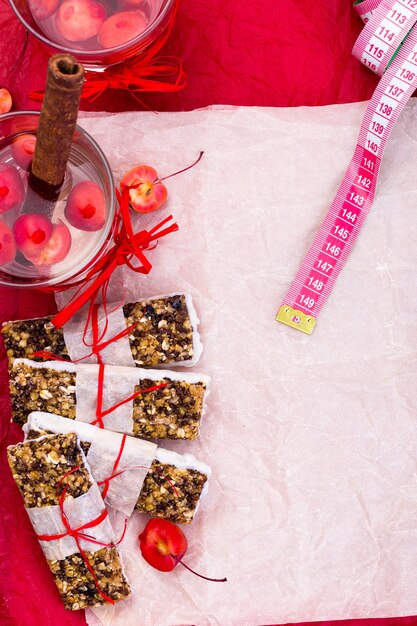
[{"x": 388, "y": 46}]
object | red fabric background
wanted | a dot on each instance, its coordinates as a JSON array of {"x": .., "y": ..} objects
[{"x": 239, "y": 52}]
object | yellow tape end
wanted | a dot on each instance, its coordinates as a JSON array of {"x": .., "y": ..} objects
[{"x": 296, "y": 319}]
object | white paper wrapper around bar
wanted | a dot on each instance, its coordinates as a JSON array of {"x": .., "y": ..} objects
[
  {"x": 165, "y": 335},
  {"x": 80, "y": 510},
  {"x": 119, "y": 384},
  {"x": 124, "y": 490},
  {"x": 119, "y": 352}
]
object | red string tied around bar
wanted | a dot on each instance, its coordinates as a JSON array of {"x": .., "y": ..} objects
[
  {"x": 115, "y": 472},
  {"x": 100, "y": 413},
  {"x": 77, "y": 534}
]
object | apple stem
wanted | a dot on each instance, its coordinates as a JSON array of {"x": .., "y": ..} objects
[
  {"x": 213, "y": 580},
  {"x": 200, "y": 156}
]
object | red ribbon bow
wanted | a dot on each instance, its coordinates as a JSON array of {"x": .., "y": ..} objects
[
  {"x": 77, "y": 534},
  {"x": 128, "y": 246}
]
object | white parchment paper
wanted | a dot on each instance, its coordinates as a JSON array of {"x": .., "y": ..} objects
[{"x": 312, "y": 510}]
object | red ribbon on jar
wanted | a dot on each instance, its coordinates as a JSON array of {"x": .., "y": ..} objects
[{"x": 144, "y": 73}]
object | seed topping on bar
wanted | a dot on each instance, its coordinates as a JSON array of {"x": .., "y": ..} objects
[
  {"x": 171, "y": 492},
  {"x": 41, "y": 389},
  {"x": 163, "y": 332},
  {"x": 39, "y": 465},
  {"x": 172, "y": 412},
  {"x": 25, "y": 337}
]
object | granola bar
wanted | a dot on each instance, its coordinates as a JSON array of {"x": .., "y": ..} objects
[
  {"x": 165, "y": 332},
  {"x": 173, "y": 485},
  {"x": 170, "y": 412},
  {"x": 38, "y": 467}
]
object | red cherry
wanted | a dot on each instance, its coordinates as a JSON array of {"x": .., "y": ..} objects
[
  {"x": 160, "y": 542},
  {"x": 23, "y": 149},
  {"x": 86, "y": 206},
  {"x": 32, "y": 232},
  {"x": 12, "y": 191},
  {"x": 7, "y": 244},
  {"x": 163, "y": 544},
  {"x": 146, "y": 192},
  {"x": 56, "y": 249},
  {"x": 5, "y": 101}
]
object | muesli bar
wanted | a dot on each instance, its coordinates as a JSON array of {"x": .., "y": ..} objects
[
  {"x": 38, "y": 466},
  {"x": 170, "y": 412},
  {"x": 165, "y": 332},
  {"x": 173, "y": 485}
]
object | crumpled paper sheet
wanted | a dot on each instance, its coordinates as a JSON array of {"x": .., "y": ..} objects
[{"x": 312, "y": 507}]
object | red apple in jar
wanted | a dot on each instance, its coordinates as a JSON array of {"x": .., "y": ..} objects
[
  {"x": 56, "y": 249},
  {"x": 23, "y": 149},
  {"x": 12, "y": 191},
  {"x": 7, "y": 244},
  {"x": 42, "y": 9},
  {"x": 121, "y": 28},
  {"x": 32, "y": 232},
  {"x": 86, "y": 206},
  {"x": 5, "y": 101},
  {"x": 79, "y": 20}
]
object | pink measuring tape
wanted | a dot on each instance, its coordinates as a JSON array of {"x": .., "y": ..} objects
[{"x": 388, "y": 46}]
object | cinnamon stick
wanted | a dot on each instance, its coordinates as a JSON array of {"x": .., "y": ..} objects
[{"x": 58, "y": 117}]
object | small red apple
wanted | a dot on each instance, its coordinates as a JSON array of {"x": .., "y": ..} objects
[
  {"x": 23, "y": 149},
  {"x": 79, "y": 20},
  {"x": 56, "y": 249},
  {"x": 86, "y": 206},
  {"x": 12, "y": 191},
  {"x": 163, "y": 544},
  {"x": 32, "y": 232},
  {"x": 5, "y": 101},
  {"x": 146, "y": 192},
  {"x": 121, "y": 28}
]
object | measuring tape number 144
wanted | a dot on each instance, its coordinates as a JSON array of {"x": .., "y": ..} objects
[{"x": 388, "y": 46}]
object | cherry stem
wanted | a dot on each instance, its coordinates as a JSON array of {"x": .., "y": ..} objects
[
  {"x": 200, "y": 156},
  {"x": 213, "y": 580}
]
